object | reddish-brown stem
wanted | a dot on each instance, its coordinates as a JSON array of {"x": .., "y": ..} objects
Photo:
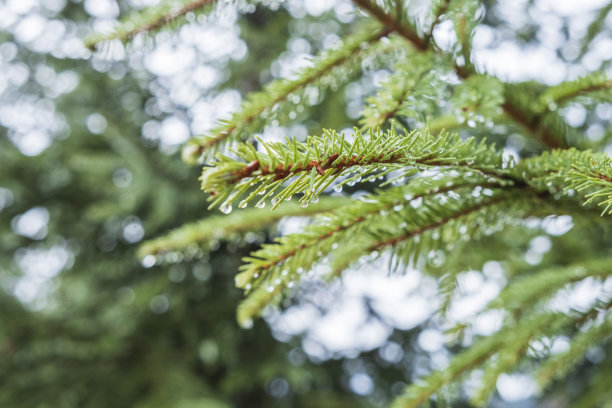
[
  {"x": 419, "y": 231},
  {"x": 280, "y": 172},
  {"x": 391, "y": 23},
  {"x": 592, "y": 88},
  {"x": 359, "y": 219},
  {"x": 162, "y": 20}
]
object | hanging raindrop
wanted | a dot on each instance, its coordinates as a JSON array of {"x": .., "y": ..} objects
[{"x": 226, "y": 208}]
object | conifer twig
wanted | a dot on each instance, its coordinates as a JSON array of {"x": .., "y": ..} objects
[
  {"x": 277, "y": 92},
  {"x": 392, "y": 23},
  {"x": 152, "y": 21}
]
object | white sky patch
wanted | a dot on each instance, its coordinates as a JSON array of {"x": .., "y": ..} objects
[
  {"x": 516, "y": 387},
  {"x": 508, "y": 62},
  {"x": 318, "y": 7},
  {"x": 6, "y": 198},
  {"x": 21, "y": 6},
  {"x": 32, "y": 223},
  {"x": 102, "y": 8},
  {"x": 475, "y": 293},
  {"x": 207, "y": 111},
  {"x": 96, "y": 123},
  {"x": 558, "y": 225},
  {"x": 29, "y": 28},
  {"x": 39, "y": 266},
  {"x": 168, "y": 60},
  {"x": 431, "y": 340},
  {"x": 400, "y": 301},
  {"x": 361, "y": 384},
  {"x": 32, "y": 142},
  {"x": 173, "y": 131},
  {"x": 570, "y": 8},
  {"x": 579, "y": 296}
]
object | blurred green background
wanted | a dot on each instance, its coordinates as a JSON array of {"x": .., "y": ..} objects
[{"x": 90, "y": 167}]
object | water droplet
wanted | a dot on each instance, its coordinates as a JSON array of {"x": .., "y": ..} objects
[
  {"x": 416, "y": 203},
  {"x": 243, "y": 204},
  {"x": 304, "y": 204},
  {"x": 300, "y": 270},
  {"x": 398, "y": 207},
  {"x": 262, "y": 192},
  {"x": 256, "y": 275},
  {"x": 247, "y": 324},
  {"x": 226, "y": 208},
  {"x": 314, "y": 200},
  {"x": 247, "y": 286},
  {"x": 270, "y": 288},
  {"x": 471, "y": 123},
  {"x": 454, "y": 195},
  {"x": 285, "y": 272},
  {"x": 148, "y": 261},
  {"x": 290, "y": 284},
  {"x": 275, "y": 200},
  {"x": 408, "y": 197},
  {"x": 338, "y": 188},
  {"x": 277, "y": 281},
  {"x": 260, "y": 204}
]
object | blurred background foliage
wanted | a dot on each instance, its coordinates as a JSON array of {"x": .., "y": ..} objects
[
  {"x": 82, "y": 322},
  {"x": 89, "y": 167}
]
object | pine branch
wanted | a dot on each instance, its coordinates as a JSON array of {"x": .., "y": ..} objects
[
  {"x": 559, "y": 365},
  {"x": 595, "y": 28},
  {"x": 509, "y": 345},
  {"x": 559, "y": 95},
  {"x": 313, "y": 166},
  {"x": 350, "y": 221},
  {"x": 380, "y": 222},
  {"x": 191, "y": 237},
  {"x": 478, "y": 97},
  {"x": 533, "y": 124},
  {"x": 151, "y": 19},
  {"x": 511, "y": 106},
  {"x": 476, "y": 356},
  {"x": 443, "y": 227},
  {"x": 583, "y": 173},
  {"x": 259, "y": 107},
  {"x": 412, "y": 83},
  {"x": 520, "y": 296}
]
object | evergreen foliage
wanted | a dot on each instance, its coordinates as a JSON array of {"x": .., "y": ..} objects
[{"x": 443, "y": 185}]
